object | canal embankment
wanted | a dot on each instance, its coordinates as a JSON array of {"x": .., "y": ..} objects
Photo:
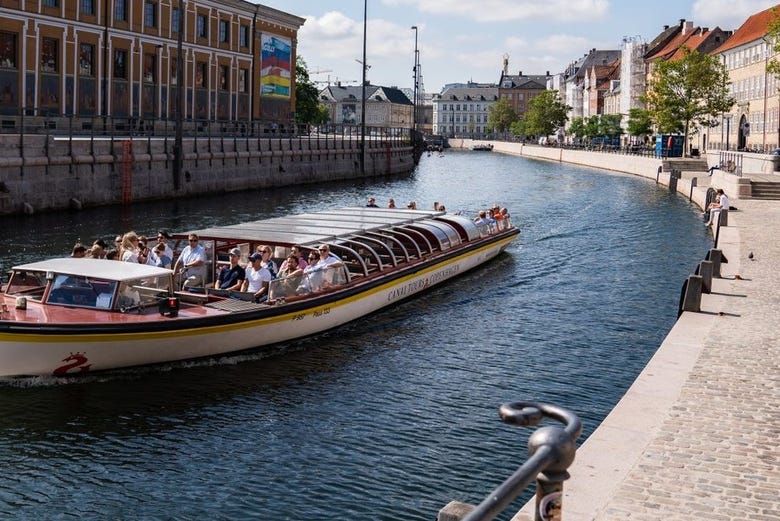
[
  {"x": 46, "y": 172},
  {"x": 695, "y": 436}
]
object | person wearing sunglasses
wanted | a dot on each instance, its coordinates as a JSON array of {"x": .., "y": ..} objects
[{"x": 192, "y": 263}]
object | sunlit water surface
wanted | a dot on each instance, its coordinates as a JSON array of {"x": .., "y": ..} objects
[{"x": 390, "y": 417}]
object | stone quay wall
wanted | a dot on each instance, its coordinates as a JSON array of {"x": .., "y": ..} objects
[{"x": 39, "y": 172}]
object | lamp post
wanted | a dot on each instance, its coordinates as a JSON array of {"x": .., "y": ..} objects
[
  {"x": 180, "y": 83},
  {"x": 414, "y": 69},
  {"x": 363, "y": 96}
]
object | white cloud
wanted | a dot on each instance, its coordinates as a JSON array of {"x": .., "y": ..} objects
[
  {"x": 550, "y": 11},
  {"x": 727, "y": 14}
]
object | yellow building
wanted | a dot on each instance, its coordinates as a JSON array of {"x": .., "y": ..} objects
[
  {"x": 117, "y": 59},
  {"x": 753, "y": 122}
]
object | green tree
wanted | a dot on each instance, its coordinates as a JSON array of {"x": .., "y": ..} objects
[
  {"x": 609, "y": 125},
  {"x": 517, "y": 128},
  {"x": 501, "y": 115},
  {"x": 639, "y": 122},
  {"x": 688, "y": 93},
  {"x": 307, "y": 104},
  {"x": 773, "y": 38},
  {"x": 592, "y": 127},
  {"x": 577, "y": 127},
  {"x": 546, "y": 114}
]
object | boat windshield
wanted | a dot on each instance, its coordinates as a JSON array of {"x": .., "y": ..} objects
[
  {"x": 140, "y": 293},
  {"x": 30, "y": 284},
  {"x": 81, "y": 291},
  {"x": 311, "y": 282}
]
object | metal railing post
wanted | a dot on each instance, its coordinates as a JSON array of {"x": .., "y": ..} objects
[{"x": 551, "y": 449}]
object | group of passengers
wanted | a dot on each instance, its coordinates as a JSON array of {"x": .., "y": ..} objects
[
  {"x": 412, "y": 205},
  {"x": 262, "y": 269},
  {"x": 129, "y": 247},
  {"x": 491, "y": 215}
]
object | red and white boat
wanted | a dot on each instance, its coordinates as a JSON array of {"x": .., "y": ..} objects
[{"x": 68, "y": 316}]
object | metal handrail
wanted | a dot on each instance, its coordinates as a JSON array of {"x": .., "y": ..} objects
[{"x": 551, "y": 450}]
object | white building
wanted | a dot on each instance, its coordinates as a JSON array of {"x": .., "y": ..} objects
[{"x": 462, "y": 109}]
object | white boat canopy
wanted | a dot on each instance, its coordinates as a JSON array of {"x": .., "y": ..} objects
[{"x": 95, "y": 268}]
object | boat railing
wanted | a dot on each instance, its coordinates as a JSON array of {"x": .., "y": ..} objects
[{"x": 323, "y": 279}]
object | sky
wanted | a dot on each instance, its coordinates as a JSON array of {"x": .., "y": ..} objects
[{"x": 466, "y": 40}]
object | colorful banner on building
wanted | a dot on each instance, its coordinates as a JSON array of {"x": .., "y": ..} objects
[{"x": 276, "y": 66}]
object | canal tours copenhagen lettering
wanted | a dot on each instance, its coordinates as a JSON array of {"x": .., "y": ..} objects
[{"x": 420, "y": 284}]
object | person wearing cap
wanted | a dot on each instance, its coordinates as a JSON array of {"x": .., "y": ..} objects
[
  {"x": 257, "y": 278},
  {"x": 231, "y": 278}
]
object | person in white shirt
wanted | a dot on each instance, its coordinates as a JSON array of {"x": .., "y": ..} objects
[
  {"x": 720, "y": 203},
  {"x": 192, "y": 263},
  {"x": 257, "y": 278}
]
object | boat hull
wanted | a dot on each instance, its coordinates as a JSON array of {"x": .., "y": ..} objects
[{"x": 77, "y": 350}]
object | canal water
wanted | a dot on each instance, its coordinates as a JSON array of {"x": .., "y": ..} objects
[{"x": 388, "y": 418}]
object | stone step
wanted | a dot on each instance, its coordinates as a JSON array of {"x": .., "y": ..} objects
[{"x": 765, "y": 190}]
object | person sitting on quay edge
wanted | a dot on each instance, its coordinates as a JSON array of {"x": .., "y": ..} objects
[
  {"x": 257, "y": 278},
  {"x": 232, "y": 277},
  {"x": 721, "y": 202},
  {"x": 192, "y": 262},
  {"x": 371, "y": 203}
]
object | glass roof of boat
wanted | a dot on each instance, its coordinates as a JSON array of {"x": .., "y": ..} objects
[
  {"x": 316, "y": 227},
  {"x": 95, "y": 268}
]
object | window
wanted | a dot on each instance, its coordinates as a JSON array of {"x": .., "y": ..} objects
[
  {"x": 87, "y": 7},
  {"x": 120, "y": 10},
  {"x": 49, "y": 3},
  {"x": 150, "y": 14},
  {"x": 150, "y": 69},
  {"x": 120, "y": 64},
  {"x": 224, "y": 83},
  {"x": 175, "y": 20},
  {"x": 174, "y": 71},
  {"x": 242, "y": 83},
  {"x": 201, "y": 74},
  {"x": 49, "y": 55},
  {"x": 86, "y": 59},
  {"x": 201, "y": 29},
  {"x": 7, "y": 50},
  {"x": 243, "y": 36},
  {"x": 224, "y": 28}
]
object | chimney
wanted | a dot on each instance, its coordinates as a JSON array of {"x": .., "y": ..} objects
[
  {"x": 519, "y": 73},
  {"x": 704, "y": 30},
  {"x": 687, "y": 27},
  {"x": 666, "y": 27},
  {"x": 548, "y": 73}
]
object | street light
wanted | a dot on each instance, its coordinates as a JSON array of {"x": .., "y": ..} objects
[
  {"x": 180, "y": 83},
  {"x": 363, "y": 96},
  {"x": 414, "y": 69}
]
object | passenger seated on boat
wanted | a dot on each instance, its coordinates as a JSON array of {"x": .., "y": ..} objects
[
  {"x": 481, "y": 218},
  {"x": 297, "y": 250},
  {"x": 268, "y": 262},
  {"x": 231, "y": 277},
  {"x": 257, "y": 278},
  {"x": 306, "y": 286},
  {"x": 412, "y": 205},
  {"x": 192, "y": 263},
  {"x": 290, "y": 275}
]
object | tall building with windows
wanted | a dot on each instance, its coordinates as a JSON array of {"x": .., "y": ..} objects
[
  {"x": 119, "y": 59},
  {"x": 461, "y": 109}
]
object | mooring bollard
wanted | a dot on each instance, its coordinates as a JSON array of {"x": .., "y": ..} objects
[
  {"x": 551, "y": 451},
  {"x": 716, "y": 257},
  {"x": 705, "y": 270},
  {"x": 691, "y": 298}
]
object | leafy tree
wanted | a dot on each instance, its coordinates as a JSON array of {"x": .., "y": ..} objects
[
  {"x": 501, "y": 115},
  {"x": 307, "y": 104},
  {"x": 688, "y": 93},
  {"x": 546, "y": 114},
  {"x": 577, "y": 127},
  {"x": 517, "y": 128},
  {"x": 639, "y": 122},
  {"x": 609, "y": 125},
  {"x": 592, "y": 126},
  {"x": 773, "y": 37}
]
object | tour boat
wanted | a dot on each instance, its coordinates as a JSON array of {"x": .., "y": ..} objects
[
  {"x": 67, "y": 316},
  {"x": 482, "y": 148}
]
